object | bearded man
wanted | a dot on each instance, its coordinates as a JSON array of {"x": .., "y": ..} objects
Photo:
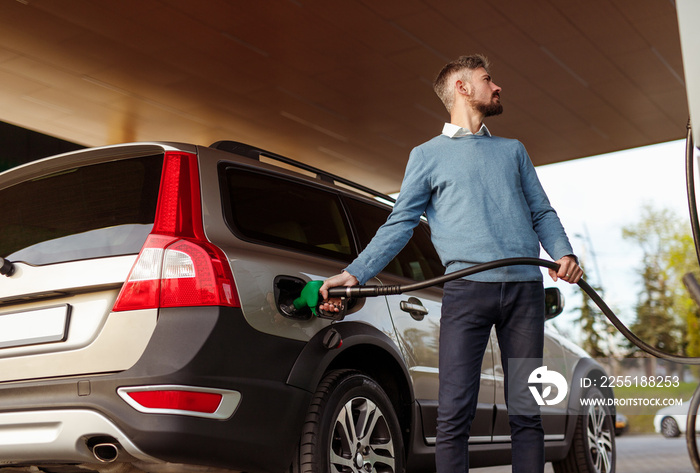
[{"x": 483, "y": 202}]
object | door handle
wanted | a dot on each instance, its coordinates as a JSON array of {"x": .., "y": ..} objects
[{"x": 414, "y": 307}]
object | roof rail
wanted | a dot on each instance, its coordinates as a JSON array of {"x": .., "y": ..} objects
[{"x": 254, "y": 152}]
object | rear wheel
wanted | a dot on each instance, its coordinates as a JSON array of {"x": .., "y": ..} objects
[
  {"x": 593, "y": 446},
  {"x": 351, "y": 426}
]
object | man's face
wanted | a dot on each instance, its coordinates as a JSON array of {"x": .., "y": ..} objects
[{"x": 486, "y": 95}]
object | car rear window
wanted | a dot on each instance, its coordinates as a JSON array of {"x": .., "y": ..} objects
[
  {"x": 286, "y": 213},
  {"x": 91, "y": 211}
]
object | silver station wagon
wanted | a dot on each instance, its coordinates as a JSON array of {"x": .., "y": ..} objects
[{"x": 144, "y": 322}]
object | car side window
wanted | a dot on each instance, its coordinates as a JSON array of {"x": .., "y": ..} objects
[
  {"x": 283, "y": 212},
  {"x": 418, "y": 260}
]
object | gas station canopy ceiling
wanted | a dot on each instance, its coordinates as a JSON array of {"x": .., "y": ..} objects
[{"x": 343, "y": 85}]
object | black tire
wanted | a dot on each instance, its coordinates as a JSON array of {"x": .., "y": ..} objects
[
  {"x": 351, "y": 424},
  {"x": 669, "y": 427},
  {"x": 593, "y": 445}
]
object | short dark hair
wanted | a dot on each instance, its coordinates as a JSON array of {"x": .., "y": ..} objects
[{"x": 461, "y": 65}]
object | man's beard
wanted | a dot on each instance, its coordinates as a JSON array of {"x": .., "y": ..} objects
[{"x": 488, "y": 109}]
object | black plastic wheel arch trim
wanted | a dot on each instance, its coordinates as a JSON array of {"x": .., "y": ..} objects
[{"x": 314, "y": 360}]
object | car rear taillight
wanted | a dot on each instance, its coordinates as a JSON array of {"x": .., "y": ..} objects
[{"x": 177, "y": 266}]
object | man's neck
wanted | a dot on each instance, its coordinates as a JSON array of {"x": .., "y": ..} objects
[{"x": 469, "y": 119}]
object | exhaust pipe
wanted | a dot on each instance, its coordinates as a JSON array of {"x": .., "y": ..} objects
[{"x": 105, "y": 452}]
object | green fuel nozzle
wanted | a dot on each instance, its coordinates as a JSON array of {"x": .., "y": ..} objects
[
  {"x": 309, "y": 297},
  {"x": 307, "y": 303},
  {"x": 309, "y": 300}
]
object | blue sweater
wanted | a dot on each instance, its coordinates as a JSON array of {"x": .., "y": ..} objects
[{"x": 483, "y": 202}]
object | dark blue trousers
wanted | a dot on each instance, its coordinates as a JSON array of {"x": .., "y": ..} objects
[{"x": 469, "y": 310}]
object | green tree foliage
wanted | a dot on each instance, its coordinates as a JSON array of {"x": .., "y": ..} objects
[
  {"x": 682, "y": 260},
  {"x": 659, "y": 321}
]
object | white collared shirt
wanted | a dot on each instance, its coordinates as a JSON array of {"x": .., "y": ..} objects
[{"x": 455, "y": 131}]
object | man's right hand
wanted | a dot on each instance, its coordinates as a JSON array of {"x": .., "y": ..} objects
[{"x": 342, "y": 279}]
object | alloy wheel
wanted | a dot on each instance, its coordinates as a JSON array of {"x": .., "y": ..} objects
[
  {"x": 361, "y": 439},
  {"x": 600, "y": 444}
]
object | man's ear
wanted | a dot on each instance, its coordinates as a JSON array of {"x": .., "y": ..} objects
[{"x": 463, "y": 87}]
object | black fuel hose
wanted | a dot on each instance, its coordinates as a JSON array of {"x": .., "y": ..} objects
[
  {"x": 373, "y": 291},
  {"x": 690, "y": 435},
  {"x": 690, "y": 187}
]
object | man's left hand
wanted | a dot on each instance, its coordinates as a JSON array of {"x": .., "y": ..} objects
[{"x": 569, "y": 270}]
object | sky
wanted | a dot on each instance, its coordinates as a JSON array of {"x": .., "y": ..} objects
[{"x": 595, "y": 198}]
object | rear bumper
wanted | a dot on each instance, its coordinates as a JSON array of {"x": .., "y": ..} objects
[
  {"x": 58, "y": 436},
  {"x": 51, "y": 421}
]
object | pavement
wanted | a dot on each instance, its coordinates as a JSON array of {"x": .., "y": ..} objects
[{"x": 648, "y": 453}]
